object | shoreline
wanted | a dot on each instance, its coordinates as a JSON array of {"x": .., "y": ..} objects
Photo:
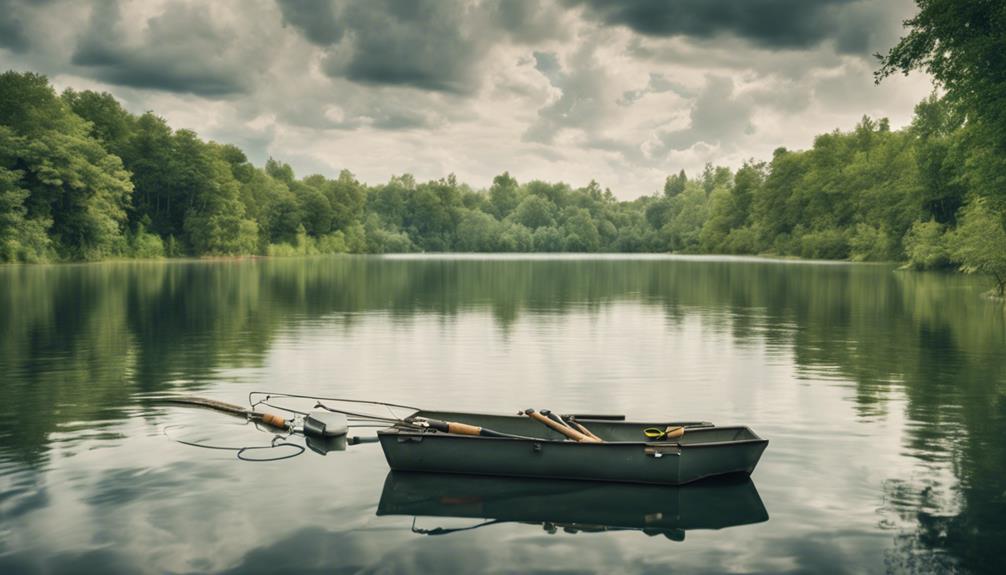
[{"x": 513, "y": 256}]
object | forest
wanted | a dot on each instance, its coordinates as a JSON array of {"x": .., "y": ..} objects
[{"x": 83, "y": 179}]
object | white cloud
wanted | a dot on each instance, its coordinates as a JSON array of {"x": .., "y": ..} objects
[{"x": 540, "y": 90}]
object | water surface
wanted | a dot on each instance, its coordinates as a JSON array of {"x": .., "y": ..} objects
[{"x": 882, "y": 393}]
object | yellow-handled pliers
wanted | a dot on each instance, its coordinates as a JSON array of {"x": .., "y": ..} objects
[{"x": 671, "y": 432}]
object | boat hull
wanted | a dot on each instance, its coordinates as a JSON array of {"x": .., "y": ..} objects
[
  {"x": 700, "y": 453},
  {"x": 574, "y": 505}
]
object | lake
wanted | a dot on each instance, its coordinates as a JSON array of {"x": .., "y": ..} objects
[{"x": 881, "y": 393}]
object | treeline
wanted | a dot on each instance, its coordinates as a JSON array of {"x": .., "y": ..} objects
[{"x": 83, "y": 179}]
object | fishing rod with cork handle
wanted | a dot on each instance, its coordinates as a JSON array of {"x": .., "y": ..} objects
[
  {"x": 462, "y": 428},
  {"x": 270, "y": 419},
  {"x": 416, "y": 423}
]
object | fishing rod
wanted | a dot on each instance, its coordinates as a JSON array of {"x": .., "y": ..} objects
[
  {"x": 411, "y": 422},
  {"x": 330, "y": 425},
  {"x": 270, "y": 394},
  {"x": 270, "y": 419},
  {"x": 317, "y": 429}
]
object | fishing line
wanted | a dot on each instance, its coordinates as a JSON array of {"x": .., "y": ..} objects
[
  {"x": 280, "y": 407},
  {"x": 268, "y": 395},
  {"x": 320, "y": 398},
  {"x": 353, "y": 417},
  {"x": 278, "y": 442},
  {"x": 362, "y": 416}
]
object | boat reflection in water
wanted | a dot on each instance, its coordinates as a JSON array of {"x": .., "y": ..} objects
[{"x": 573, "y": 506}]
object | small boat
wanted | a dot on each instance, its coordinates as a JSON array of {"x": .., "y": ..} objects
[
  {"x": 572, "y": 506},
  {"x": 518, "y": 446}
]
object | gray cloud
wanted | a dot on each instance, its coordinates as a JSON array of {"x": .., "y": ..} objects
[
  {"x": 426, "y": 44},
  {"x": 719, "y": 116},
  {"x": 434, "y": 45},
  {"x": 527, "y": 21},
  {"x": 181, "y": 50},
  {"x": 12, "y": 27},
  {"x": 586, "y": 97},
  {"x": 318, "y": 20},
  {"x": 658, "y": 84},
  {"x": 774, "y": 24}
]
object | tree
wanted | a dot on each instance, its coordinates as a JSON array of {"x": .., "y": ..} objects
[
  {"x": 158, "y": 195},
  {"x": 688, "y": 214},
  {"x": 504, "y": 195},
  {"x": 348, "y": 197},
  {"x": 515, "y": 238},
  {"x": 477, "y": 232},
  {"x": 775, "y": 207},
  {"x": 547, "y": 239},
  {"x": 978, "y": 244},
  {"x": 557, "y": 193},
  {"x": 580, "y": 231},
  {"x": 111, "y": 124},
  {"x": 280, "y": 171},
  {"x": 390, "y": 201},
  {"x": 730, "y": 209},
  {"x": 715, "y": 177},
  {"x": 433, "y": 211},
  {"x": 70, "y": 178},
  {"x": 926, "y": 246},
  {"x": 534, "y": 212},
  {"x": 315, "y": 209},
  {"x": 939, "y": 154},
  {"x": 962, "y": 44},
  {"x": 21, "y": 239},
  {"x": 674, "y": 185},
  {"x": 214, "y": 218}
]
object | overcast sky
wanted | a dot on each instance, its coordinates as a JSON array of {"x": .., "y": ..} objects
[{"x": 621, "y": 91}]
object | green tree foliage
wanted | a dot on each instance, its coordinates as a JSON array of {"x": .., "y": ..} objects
[
  {"x": 674, "y": 185},
  {"x": 534, "y": 212},
  {"x": 76, "y": 190},
  {"x": 348, "y": 197},
  {"x": 21, "y": 239},
  {"x": 979, "y": 243},
  {"x": 580, "y": 231},
  {"x": 926, "y": 246},
  {"x": 214, "y": 216},
  {"x": 730, "y": 211},
  {"x": 688, "y": 212},
  {"x": 504, "y": 195},
  {"x": 939, "y": 151},
  {"x": 962, "y": 44},
  {"x": 82, "y": 178},
  {"x": 478, "y": 232}
]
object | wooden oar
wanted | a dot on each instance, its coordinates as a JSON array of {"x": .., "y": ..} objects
[
  {"x": 568, "y": 422},
  {"x": 582, "y": 428},
  {"x": 547, "y": 413},
  {"x": 567, "y": 431}
]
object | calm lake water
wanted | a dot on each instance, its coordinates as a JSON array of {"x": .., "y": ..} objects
[{"x": 881, "y": 392}]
